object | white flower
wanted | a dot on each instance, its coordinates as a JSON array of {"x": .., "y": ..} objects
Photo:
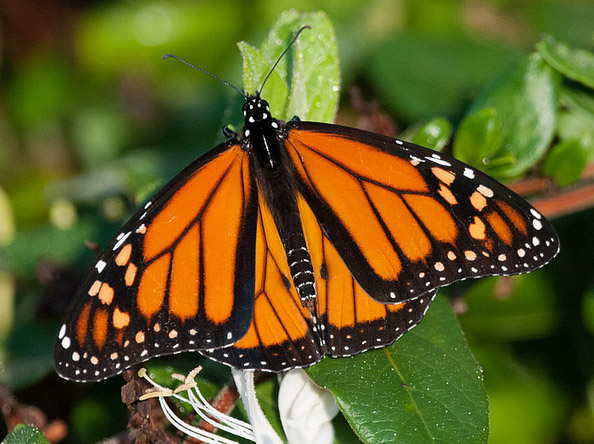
[
  {"x": 306, "y": 410},
  {"x": 263, "y": 431}
]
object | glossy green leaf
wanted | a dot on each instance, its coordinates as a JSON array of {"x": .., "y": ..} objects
[
  {"x": 568, "y": 159},
  {"x": 510, "y": 308},
  {"x": 434, "y": 134},
  {"x": 25, "y": 434},
  {"x": 425, "y": 388},
  {"x": 575, "y": 63},
  {"x": 305, "y": 83},
  {"x": 526, "y": 101},
  {"x": 477, "y": 137}
]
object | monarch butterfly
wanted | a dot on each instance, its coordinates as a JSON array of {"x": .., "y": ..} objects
[{"x": 290, "y": 241}]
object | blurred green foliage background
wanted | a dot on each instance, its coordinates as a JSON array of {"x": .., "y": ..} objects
[{"x": 92, "y": 121}]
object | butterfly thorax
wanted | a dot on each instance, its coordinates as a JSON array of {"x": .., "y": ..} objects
[
  {"x": 273, "y": 171},
  {"x": 261, "y": 130}
]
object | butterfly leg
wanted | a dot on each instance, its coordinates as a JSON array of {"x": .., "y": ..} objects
[{"x": 228, "y": 132}]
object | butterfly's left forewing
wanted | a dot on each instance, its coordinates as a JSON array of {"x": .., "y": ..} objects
[
  {"x": 179, "y": 276},
  {"x": 406, "y": 220}
]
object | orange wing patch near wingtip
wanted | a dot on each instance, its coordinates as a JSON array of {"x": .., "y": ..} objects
[
  {"x": 130, "y": 275},
  {"x": 477, "y": 229},
  {"x": 124, "y": 255},
  {"x": 94, "y": 290},
  {"x": 478, "y": 201},
  {"x": 106, "y": 294},
  {"x": 445, "y": 192},
  {"x": 120, "y": 319},
  {"x": 447, "y": 177}
]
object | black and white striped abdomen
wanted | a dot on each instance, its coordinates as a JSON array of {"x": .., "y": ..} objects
[{"x": 300, "y": 265}]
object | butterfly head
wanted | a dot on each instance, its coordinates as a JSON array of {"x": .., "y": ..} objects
[{"x": 256, "y": 110}]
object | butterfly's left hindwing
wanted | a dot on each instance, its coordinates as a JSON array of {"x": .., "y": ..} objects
[
  {"x": 407, "y": 220},
  {"x": 282, "y": 333},
  {"x": 178, "y": 276}
]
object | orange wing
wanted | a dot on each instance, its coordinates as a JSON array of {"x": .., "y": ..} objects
[
  {"x": 351, "y": 320},
  {"x": 405, "y": 220},
  {"x": 283, "y": 334},
  {"x": 179, "y": 276}
]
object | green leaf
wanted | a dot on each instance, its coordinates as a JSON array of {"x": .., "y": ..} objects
[
  {"x": 578, "y": 101},
  {"x": 433, "y": 134},
  {"x": 568, "y": 159},
  {"x": 419, "y": 77},
  {"x": 50, "y": 243},
  {"x": 576, "y": 121},
  {"x": 577, "y": 64},
  {"x": 425, "y": 388},
  {"x": 28, "y": 354},
  {"x": 526, "y": 405},
  {"x": 305, "y": 83},
  {"x": 525, "y": 100},
  {"x": 477, "y": 138},
  {"x": 25, "y": 434},
  {"x": 255, "y": 65}
]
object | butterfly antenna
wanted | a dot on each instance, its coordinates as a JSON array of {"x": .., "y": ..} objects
[
  {"x": 171, "y": 56},
  {"x": 303, "y": 28}
]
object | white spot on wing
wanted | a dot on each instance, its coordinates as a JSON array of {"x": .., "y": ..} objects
[
  {"x": 468, "y": 173},
  {"x": 121, "y": 241},
  {"x": 436, "y": 159},
  {"x": 100, "y": 265},
  {"x": 65, "y": 342}
]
